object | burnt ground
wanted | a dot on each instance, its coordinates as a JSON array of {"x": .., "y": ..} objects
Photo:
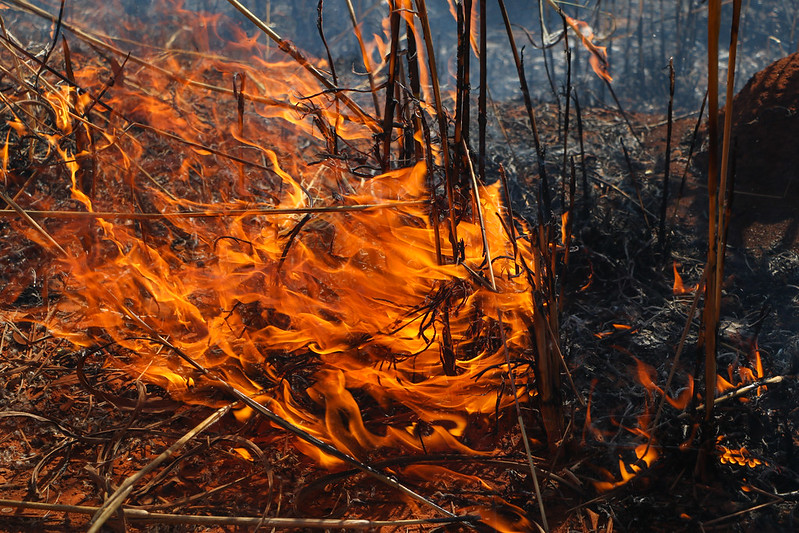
[{"x": 71, "y": 430}]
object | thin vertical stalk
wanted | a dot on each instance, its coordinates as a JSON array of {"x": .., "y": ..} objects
[
  {"x": 365, "y": 55},
  {"x": 711, "y": 310},
  {"x": 463, "y": 72},
  {"x": 481, "y": 99},
  {"x": 481, "y": 219},
  {"x": 566, "y": 113},
  {"x": 520, "y": 418},
  {"x": 393, "y": 62},
  {"x": 421, "y": 10},
  {"x": 667, "y": 169},
  {"x": 528, "y": 103}
]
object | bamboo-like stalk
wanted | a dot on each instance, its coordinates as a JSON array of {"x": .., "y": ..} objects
[
  {"x": 482, "y": 118},
  {"x": 726, "y": 144},
  {"x": 710, "y": 312},
  {"x": 393, "y": 63},
  {"x": 566, "y": 117},
  {"x": 520, "y": 419}
]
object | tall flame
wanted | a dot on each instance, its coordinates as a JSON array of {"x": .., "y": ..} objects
[{"x": 254, "y": 249}]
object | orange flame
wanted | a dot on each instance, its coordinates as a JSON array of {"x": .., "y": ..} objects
[
  {"x": 645, "y": 455},
  {"x": 679, "y": 288},
  {"x": 331, "y": 318},
  {"x": 645, "y": 373},
  {"x": 599, "y": 54},
  {"x": 740, "y": 457}
]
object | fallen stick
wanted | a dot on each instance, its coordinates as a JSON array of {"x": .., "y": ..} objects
[
  {"x": 143, "y": 515},
  {"x": 115, "y": 501}
]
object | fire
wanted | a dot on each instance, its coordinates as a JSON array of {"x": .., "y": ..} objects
[
  {"x": 679, "y": 288},
  {"x": 740, "y": 457},
  {"x": 249, "y": 244},
  {"x": 739, "y": 375},
  {"x": 646, "y": 455},
  {"x": 645, "y": 377},
  {"x": 599, "y": 54}
]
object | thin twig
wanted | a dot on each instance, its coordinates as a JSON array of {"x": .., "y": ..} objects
[
  {"x": 18, "y": 211},
  {"x": 115, "y": 501},
  {"x": 480, "y": 217},
  {"x": 421, "y": 8},
  {"x": 142, "y": 515},
  {"x": 512, "y": 380},
  {"x": 365, "y": 55},
  {"x": 746, "y": 389},
  {"x": 266, "y": 211},
  {"x": 667, "y": 168}
]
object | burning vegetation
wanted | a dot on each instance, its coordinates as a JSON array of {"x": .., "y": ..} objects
[{"x": 245, "y": 288}]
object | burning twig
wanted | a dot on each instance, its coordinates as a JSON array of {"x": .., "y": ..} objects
[
  {"x": 266, "y": 211},
  {"x": 290, "y": 49},
  {"x": 481, "y": 220},
  {"x": 35, "y": 225},
  {"x": 94, "y": 41},
  {"x": 741, "y": 391},
  {"x": 288, "y": 426}
]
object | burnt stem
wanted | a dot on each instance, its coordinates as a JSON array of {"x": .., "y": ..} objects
[
  {"x": 528, "y": 103},
  {"x": 667, "y": 162},
  {"x": 481, "y": 99},
  {"x": 421, "y": 8},
  {"x": 566, "y": 115},
  {"x": 691, "y": 149},
  {"x": 634, "y": 179},
  {"x": 388, "y": 110},
  {"x": 583, "y": 169}
]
